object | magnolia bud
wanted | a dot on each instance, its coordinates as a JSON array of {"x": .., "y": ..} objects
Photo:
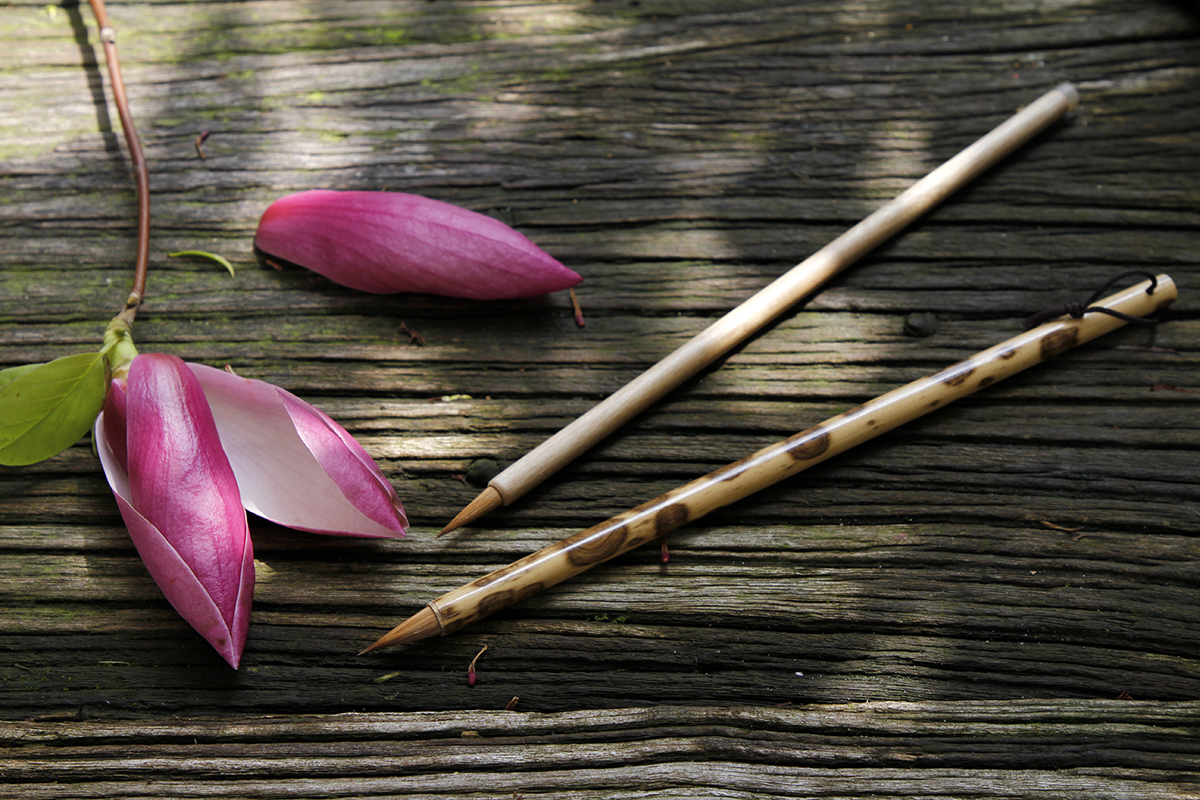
[{"x": 386, "y": 242}]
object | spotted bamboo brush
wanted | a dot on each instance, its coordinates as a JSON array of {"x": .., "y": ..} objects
[{"x": 693, "y": 500}]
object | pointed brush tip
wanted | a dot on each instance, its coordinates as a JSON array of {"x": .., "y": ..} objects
[
  {"x": 421, "y": 625},
  {"x": 488, "y": 500}
]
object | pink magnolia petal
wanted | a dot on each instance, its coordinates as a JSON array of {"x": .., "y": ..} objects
[
  {"x": 347, "y": 463},
  {"x": 114, "y": 421},
  {"x": 177, "y": 581},
  {"x": 180, "y": 478},
  {"x": 323, "y": 490},
  {"x": 388, "y": 242}
]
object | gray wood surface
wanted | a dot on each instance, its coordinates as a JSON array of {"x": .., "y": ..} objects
[{"x": 999, "y": 600}]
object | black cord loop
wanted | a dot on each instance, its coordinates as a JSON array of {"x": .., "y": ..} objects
[{"x": 1077, "y": 309}]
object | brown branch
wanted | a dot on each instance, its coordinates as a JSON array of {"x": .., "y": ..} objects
[{"x": 141, "y": 175}]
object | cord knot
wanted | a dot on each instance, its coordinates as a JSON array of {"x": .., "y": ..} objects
[{"x": 1076, "y": 309}]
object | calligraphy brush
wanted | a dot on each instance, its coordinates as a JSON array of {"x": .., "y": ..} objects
[
  {"x": 755, "y": 312},
  {"x": 735, "y": 481}
]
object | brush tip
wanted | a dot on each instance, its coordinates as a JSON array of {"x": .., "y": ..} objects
[
  {"x": 488, "y": 500},
  {"x": 419, "y": 626}
]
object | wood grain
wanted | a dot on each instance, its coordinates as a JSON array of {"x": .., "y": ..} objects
[
  {"x": 1102, "y": 749},
  {"x": 966, "y": 597}
]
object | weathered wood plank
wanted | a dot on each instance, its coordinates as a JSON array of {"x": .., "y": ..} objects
[
  {"x": 950, "y": 610},
  {"x": 863, "y": 611},
  {"x": 1093, "y": 750}
]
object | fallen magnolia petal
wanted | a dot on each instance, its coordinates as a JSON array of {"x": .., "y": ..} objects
[
  {"x": 179, "y": 498},
  {"x": 295, "y": 465},
  {"x": 387, "y": 242}
]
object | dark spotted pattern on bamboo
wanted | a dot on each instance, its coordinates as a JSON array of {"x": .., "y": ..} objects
[
  {"x": 955, "y": 375},
  {"x": 694, "y": 500},
  {"x": 810, "y": 444},
  {"x": 1059, "y": 341},
  {"x": 599, "y": 547},
  {"x": 503, "y": 598},
  {"x": 492, "y": 577},
  {"x": 856, "y": 411},
  {"x": 670, "y": 518},
  {"x": 729, "y": 472}
]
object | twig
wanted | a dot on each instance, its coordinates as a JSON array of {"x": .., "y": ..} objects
[
  {"x": 78, "y": 715},
  {"x": 141, "y": 175},
  {"x": 199, "y": 141},
  {"x": 1064, "y": 529},
  {"x": 413, "y": 336},
  {"x": 579, "y": 320}
]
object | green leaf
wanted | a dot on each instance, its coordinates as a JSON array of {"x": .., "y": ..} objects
[
  {"x": 48, "y": 407},
  {"x": 224, "y": 262},
  {"x": 9, "y": 375}
]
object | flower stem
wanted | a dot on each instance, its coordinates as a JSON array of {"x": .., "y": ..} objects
[
  {"x": 141, "y": 175},
  {"x": 471, "y": 669}
]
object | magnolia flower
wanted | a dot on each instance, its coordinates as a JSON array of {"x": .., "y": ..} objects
[
  {"x": 386, "y": 242},
  {"x": 188, "y": 449},
  {"x": 178, "y": 496}
]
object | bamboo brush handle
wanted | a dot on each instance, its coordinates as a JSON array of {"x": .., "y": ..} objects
[
  {"x": 797, "y": 283},
  {"x": 735, "y": 481}
]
